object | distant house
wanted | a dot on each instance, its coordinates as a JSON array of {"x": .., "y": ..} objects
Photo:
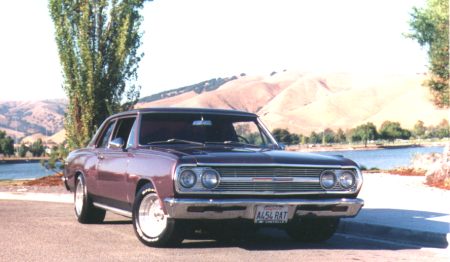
[{"x": 48, "y": 150}]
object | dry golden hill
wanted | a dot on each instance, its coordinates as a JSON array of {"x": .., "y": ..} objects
[
  {"x": 304, "y": 102},
  {"x": 33, "y": 138},
  {"x": 24, "y": 118},
  {"x": 58, "y": 137}
]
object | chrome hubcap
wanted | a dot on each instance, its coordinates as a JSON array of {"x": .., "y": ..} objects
[
  {"x": 152, "y": 219},
  {"x": 79, "y": 196}
]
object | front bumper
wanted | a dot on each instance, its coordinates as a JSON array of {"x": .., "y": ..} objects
[{"x": 182, "y": 208}]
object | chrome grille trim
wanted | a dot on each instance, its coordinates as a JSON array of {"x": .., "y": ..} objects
[
  {"x": 272, "y": 187},
  {"x": 254, "y": 179},
  {"x": 268, "y": 172},
  {"x": 269, "y": 179}
]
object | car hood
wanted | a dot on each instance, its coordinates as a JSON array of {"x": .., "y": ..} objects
[{"x": 240, "y": 155}]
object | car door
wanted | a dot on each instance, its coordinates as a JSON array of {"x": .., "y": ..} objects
[
  {"x": 101, "y": 145},
  {"x": 112, "y": 165}
]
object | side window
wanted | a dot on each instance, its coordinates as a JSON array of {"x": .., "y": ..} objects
[
  {"x": 104, "y": 139},
  {"x": 248, "y": 132},
  {"x": 132, "y": 136},
  {"x": 123, "y": 129}
]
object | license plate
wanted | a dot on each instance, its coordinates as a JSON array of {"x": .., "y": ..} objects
[{"x": 271, "y": 214}]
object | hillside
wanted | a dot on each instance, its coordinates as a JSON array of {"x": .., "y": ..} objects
[
  {"x": 301, "y": 102},
  {"x": 305, "y": 102},
  {"x": 32, "y": 119},
  {"x": 205, "y": 86}
]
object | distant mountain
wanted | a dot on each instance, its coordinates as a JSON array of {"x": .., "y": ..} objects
[
  {"x": 31, "y": 118},
  {"x": 301, "y": 102},
  {"x": 205, "y": 86},
  {"x": 304, "y": 102}
]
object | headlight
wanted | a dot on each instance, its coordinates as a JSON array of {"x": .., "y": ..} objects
[
  {"x": 210, "y": 179},
  {"x": 188, "y": 178},
  {"x": 347, "y": 179},
  {"x": 328, "y": 179}
]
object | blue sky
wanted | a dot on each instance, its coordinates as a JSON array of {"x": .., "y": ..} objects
[{"x": 186, "y": 42}]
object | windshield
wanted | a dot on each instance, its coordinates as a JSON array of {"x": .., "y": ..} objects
[{"x": 203, "y": 129}]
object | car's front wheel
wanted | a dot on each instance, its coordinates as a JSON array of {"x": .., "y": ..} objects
[
  {"x": 151, "y": 225},
  {"x": 85, "y": 211},
  {"x": 312, "y": 229}
]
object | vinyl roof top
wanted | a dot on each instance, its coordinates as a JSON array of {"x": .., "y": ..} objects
[{"x": 182, "y": 110}]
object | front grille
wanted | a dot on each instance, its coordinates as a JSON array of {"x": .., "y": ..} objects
[
  {"x": 268, "y": 172},
  {"x": 269, "y": 179},
  {"x": 265, "y": 180},
  {"x": 275, "y": 187}
]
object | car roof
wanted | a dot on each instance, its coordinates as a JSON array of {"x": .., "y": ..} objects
[{"x": 185, "y": 110}]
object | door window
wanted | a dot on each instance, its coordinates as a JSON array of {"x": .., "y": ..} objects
[
  {"x": 123, "y": 130},
  {"x": 132, "y": 137},
  {"x": 104, "y": 139}
]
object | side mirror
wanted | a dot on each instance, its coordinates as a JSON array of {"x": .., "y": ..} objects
[
  {"x": 282, "y": 146},
  {"x": 116, "y": 143}
]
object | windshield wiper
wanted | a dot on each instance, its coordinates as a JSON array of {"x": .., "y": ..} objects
[
  {"x": 233, "y": 143},
  {"x": 176, "y": 141}
]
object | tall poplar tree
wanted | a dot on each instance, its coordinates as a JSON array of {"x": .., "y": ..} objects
[
  {"x": 430, "y": 27},
  {"x": 98, "y": 42}
]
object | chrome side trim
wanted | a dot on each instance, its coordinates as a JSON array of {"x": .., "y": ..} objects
[
  {"x": 246, "y": 208},
  {"x": 113, "y": 209}
]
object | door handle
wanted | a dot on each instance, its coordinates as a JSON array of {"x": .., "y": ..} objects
[{"x": 101, "y": 157}]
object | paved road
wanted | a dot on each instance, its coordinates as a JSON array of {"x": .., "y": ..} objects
[{"x": 40, "y": 231}]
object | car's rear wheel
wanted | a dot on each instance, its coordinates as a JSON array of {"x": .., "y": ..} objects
[
  {"x": 85, "y": 211},
  {"x": 312, "y": 229},
  {"x": 151, "y": 225}
]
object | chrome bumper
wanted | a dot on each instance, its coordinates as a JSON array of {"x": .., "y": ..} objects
[{"x": 246, "y": 208}]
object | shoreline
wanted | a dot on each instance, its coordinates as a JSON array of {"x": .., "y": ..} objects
[
  {"x": 22, "y": 160},
  {"x": 349, "y": 147}
]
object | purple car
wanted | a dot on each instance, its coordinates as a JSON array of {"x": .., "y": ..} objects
[{"x": 178, "y": 172}]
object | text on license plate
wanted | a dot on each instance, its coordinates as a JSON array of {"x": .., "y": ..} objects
[{"x": 271, "y": 214}]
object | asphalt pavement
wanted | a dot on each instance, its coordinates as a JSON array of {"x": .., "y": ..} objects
[
  {"x": 397, "y": 208},
  {"x": 45, "y": 231}
]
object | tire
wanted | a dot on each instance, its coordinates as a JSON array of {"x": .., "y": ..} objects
[
  {"x": 85, "y": 211},
  {"x": 312, "y": 230},
  {"x": 151, "y": 225}
]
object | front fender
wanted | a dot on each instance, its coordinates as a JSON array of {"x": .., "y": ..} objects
[{"x": 154, "y": 168}]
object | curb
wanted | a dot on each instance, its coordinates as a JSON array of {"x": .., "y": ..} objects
[
  {"x": 45, "y": 197},
  {"x": 403, "y": 235}
]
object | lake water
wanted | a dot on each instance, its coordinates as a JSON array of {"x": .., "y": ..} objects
[
  {"x": 23, "y": 171},
  {"x": 382, "y": 158},
  {"x": 385, "y": 158}
]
